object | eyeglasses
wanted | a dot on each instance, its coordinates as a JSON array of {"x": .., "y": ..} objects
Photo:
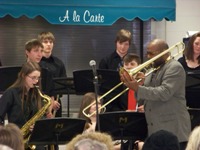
[{"x": 34, "y": 78}]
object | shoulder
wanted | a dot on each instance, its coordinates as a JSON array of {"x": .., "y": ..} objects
[{"x": 11, "y": 92}]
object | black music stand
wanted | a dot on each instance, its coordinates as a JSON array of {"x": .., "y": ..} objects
[
  {"x": 193, "y": 88},
  {"x": 8, "y": 75},
  {"x": 56, "y": 131},
  {"x": 124, "y": 125},
  {"x": 64, "y": 85},
  {"x": 83, "y": 80}
]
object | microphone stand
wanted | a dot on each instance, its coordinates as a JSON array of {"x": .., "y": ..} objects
[{"x": 95, "y": 82}]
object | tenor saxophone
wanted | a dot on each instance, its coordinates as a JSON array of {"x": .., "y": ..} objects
[{"x": 26, "y": 127}]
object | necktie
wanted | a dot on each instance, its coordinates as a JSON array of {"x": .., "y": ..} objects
[{"x": 131, "y": 100}]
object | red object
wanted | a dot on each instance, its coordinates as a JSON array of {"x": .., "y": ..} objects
[{"x": 131, "y": 100}]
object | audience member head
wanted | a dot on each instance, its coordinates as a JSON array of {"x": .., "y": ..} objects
[
  {"x": 123, "y": 42},
  {"x": 10, "y": 135},
  {"x": 194, "y": 139},
  {"x": 91, "y": 141},
  {"x": 161, "y": 140},
  {"x": 131, "y": 61},
  {"x": 33, "y": 50},
  {"x": 192, "y": 47},
  {"x": 5, "y": 147}
]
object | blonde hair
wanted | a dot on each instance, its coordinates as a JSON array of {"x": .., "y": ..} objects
[
  {"x": 99, "y": 139},
  {"x": 194, "y": 139}
]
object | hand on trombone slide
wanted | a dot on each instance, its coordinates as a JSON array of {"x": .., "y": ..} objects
[{"x": 132, "y": 82}]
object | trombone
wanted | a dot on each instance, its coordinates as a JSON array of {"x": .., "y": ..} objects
[{"x": 180, "y": 46}]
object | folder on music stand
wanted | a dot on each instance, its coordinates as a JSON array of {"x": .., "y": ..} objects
[
  {"x": 8, "y": 75},
  {"x": 56, "y": 131},
  {"x": 124, "y": 125}
]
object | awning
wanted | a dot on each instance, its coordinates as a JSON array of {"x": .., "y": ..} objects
[{"x": 89, "y": 12}]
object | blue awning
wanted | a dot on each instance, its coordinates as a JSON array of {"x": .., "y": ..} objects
[{"x": 89, "y": 12}]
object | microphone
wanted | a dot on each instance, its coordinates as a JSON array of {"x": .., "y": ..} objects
[{"x": 93, "y": 65}]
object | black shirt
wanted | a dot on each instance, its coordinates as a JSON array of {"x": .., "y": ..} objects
[
  {"x": 112, "y": 62},
  {"x": 54, "y": 65},
  {"x": 182, "y": 60},
  {"x": 11, "y": 104}
]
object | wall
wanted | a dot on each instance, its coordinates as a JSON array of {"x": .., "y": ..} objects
[{"x": 187, "y": 19}]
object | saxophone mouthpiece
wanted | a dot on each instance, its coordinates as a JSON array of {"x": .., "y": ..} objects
[{"x": 36, "y": 86}]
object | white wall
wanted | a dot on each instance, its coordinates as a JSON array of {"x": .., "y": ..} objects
[{"x": 187, "y": 19}]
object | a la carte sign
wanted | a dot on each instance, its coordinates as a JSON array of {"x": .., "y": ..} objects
[{"x": 86, "y": 17}]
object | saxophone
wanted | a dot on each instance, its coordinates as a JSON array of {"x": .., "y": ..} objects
[{"x": 25, "y": 128}]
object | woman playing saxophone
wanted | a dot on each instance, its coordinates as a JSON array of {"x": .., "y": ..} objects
[{"x": 21, "y": 101}]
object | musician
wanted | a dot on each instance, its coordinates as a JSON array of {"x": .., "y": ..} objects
[
  {"x": 163, "y": 93},
  {"x": 33, "y": 50},
  {"x": 51, "y": 63},
  {"x": 90, "y": 126},
  {"x": 88, "y": 99},
  {"x": 131, "y": 61},
  {"x": 191, "y": 58},
  {"x": 21, "y": 101},
  {"x": 113, "y": 62}
]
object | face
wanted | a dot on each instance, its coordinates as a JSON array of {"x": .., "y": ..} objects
[
  {"x": 130, "y": 65},
  {"x": 122, "y": 48},
  {"x": 48, "y": 45},
  {"x": 152, "y": 52},
  {"x": 32, "y": 79},
  {"x": 35, "y": 54},
  {"x": 93, "y": 107},
  {"x": 196, "y": 46}
]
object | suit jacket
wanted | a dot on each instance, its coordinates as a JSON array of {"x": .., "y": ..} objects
[{"x": 164, "y": 101}]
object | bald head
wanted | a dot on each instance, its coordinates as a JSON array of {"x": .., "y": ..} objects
[{"x": 158, "y": 45}]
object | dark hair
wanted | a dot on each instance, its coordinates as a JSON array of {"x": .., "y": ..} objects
[
  {"x": 33, "y": 43},
  {"x": 130, "y": 57},
  {"x": 189, "y": 50},
  {"x": 123, "y": 36},
  {"x": 162, "y": 139}
]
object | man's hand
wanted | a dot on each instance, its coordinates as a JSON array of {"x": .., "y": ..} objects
[{"x": 129, "y": 81}]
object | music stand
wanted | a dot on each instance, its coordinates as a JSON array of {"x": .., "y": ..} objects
[
  {"x": 8, "y": 75},
  {"x": 64, "y": 85},
  {"x": 56, "y": 131},
  {"x": 193, "y": 88},
  {"x": 83, "y": 80},
  {"x": 124, "y": 125}
]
